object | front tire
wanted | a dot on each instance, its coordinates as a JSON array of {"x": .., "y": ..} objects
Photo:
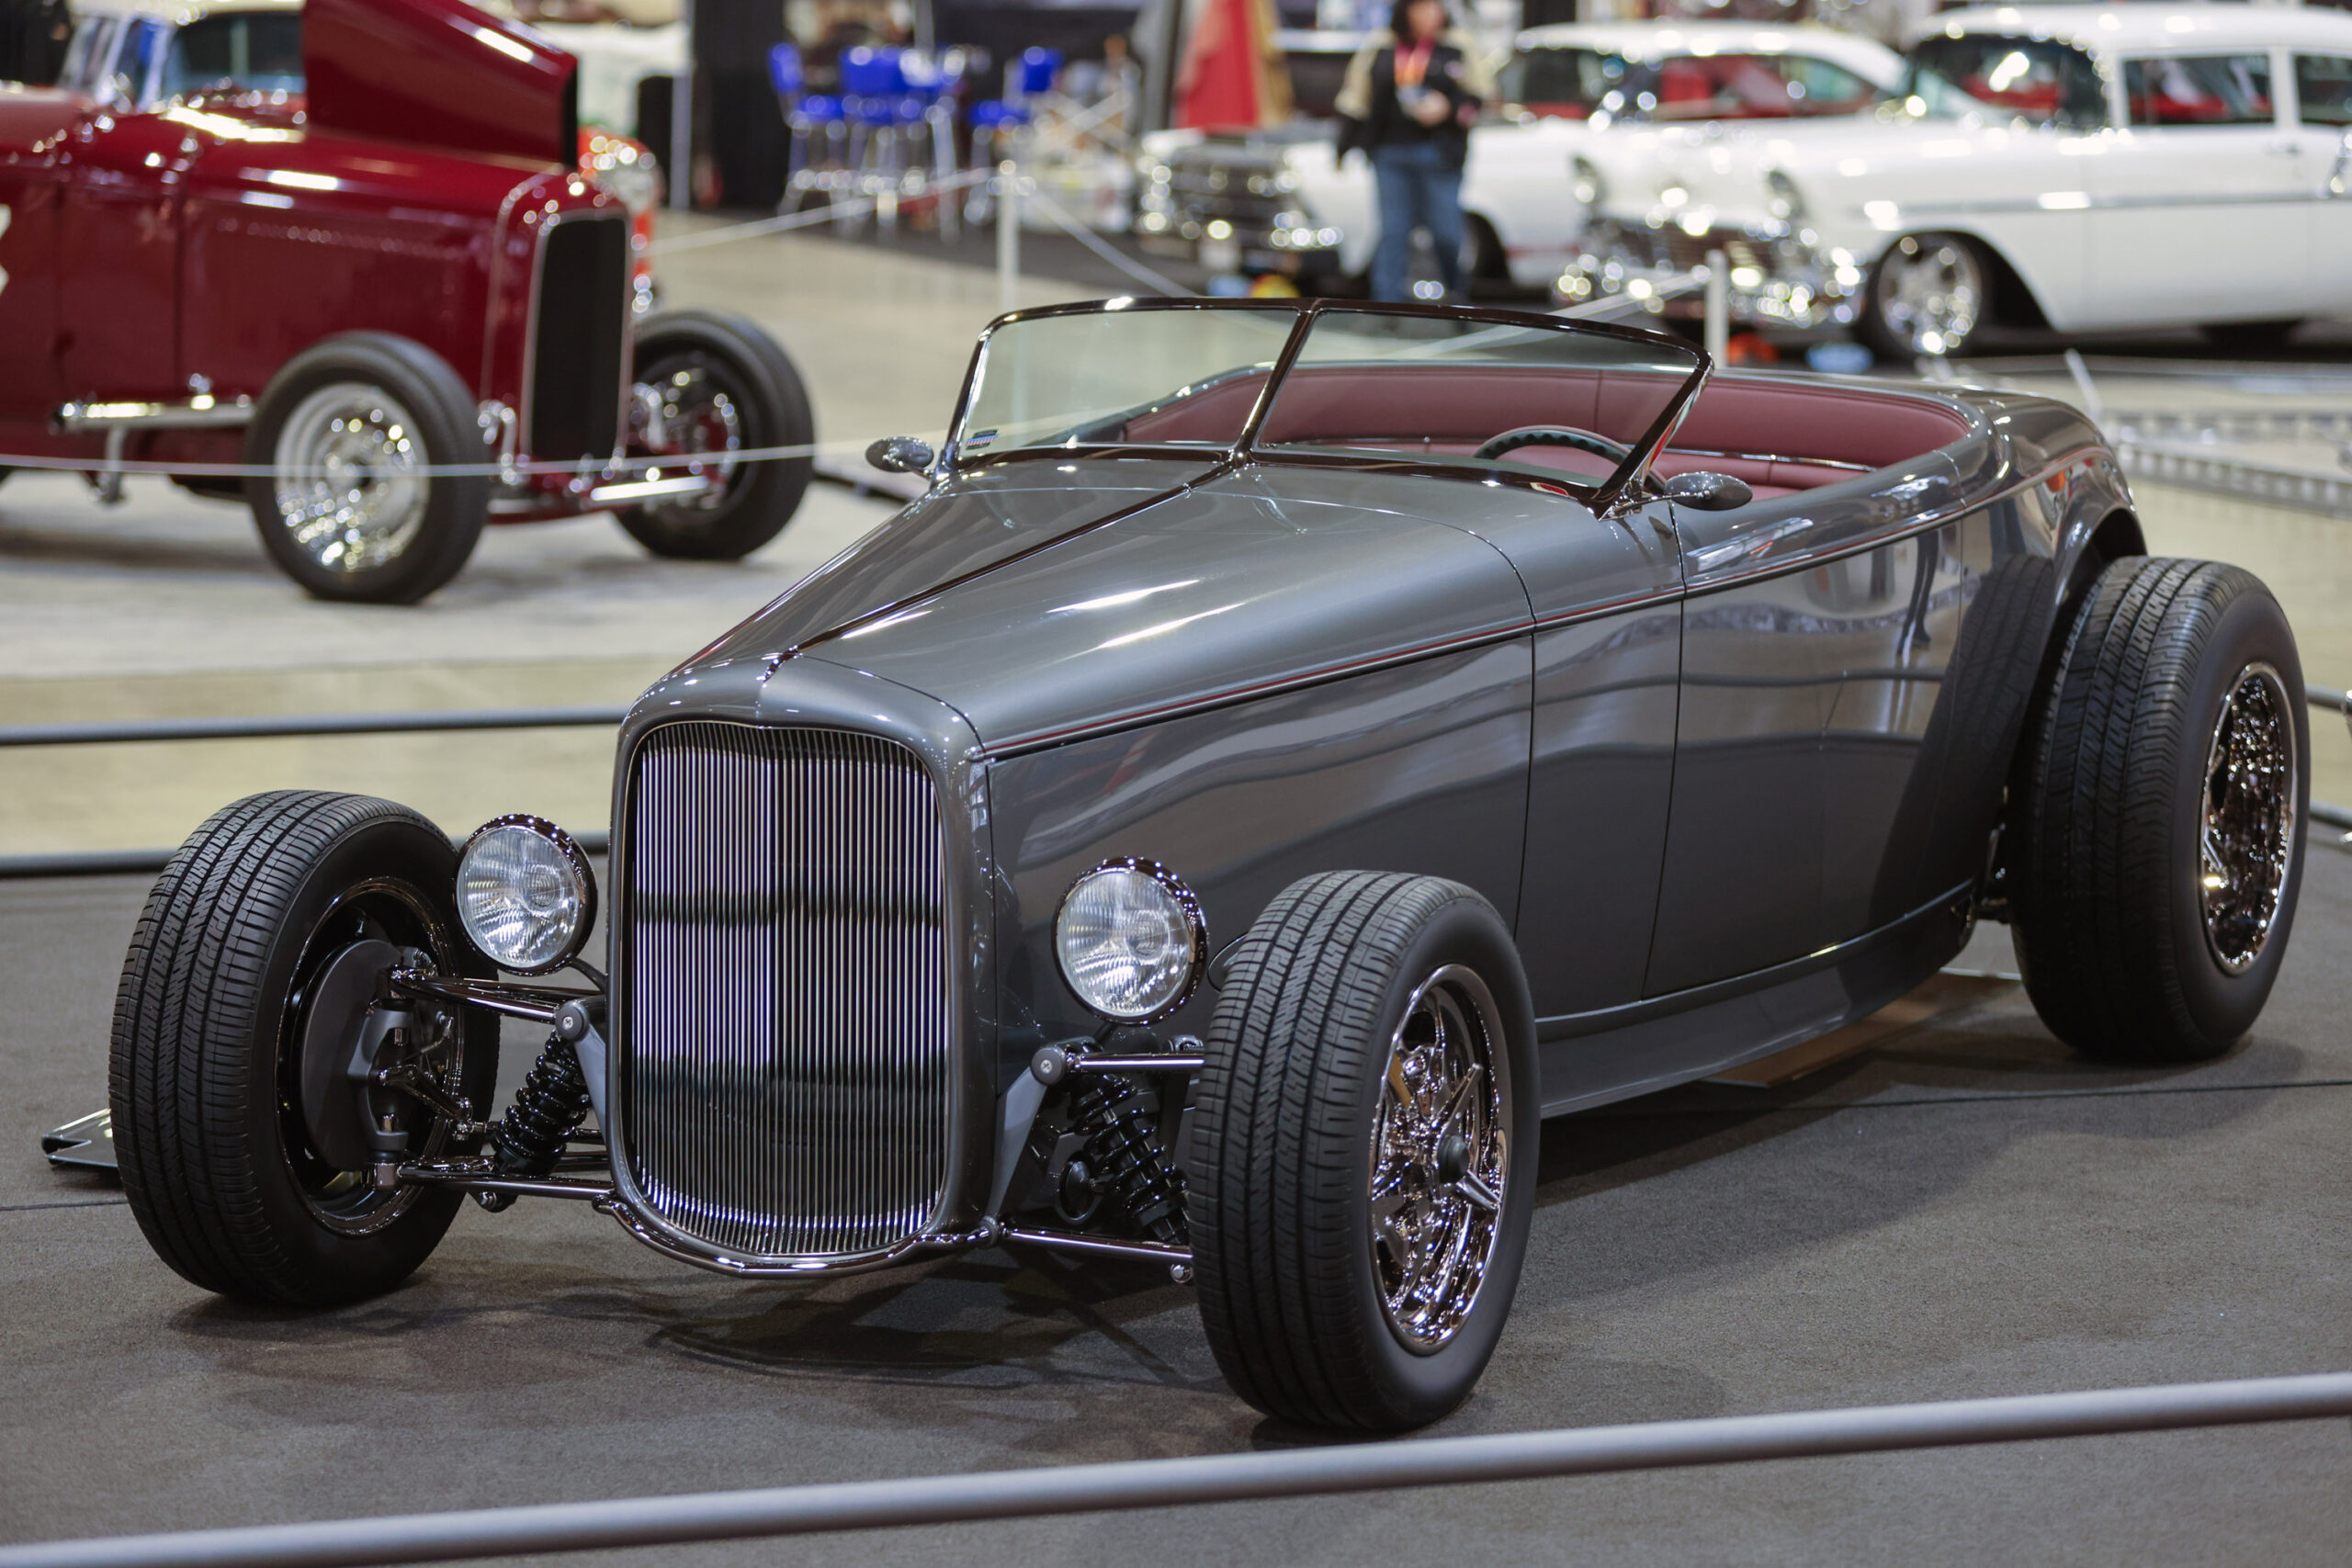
[
  {"x": 346, "y": 425},
  {"x": 231, "y": 966},
  {"x": 2160, "y": 845},
  {"x": 1362, "y": 1164},
  {"x": 708, "y": 384},
  {"x": 1928, "y": 296}
]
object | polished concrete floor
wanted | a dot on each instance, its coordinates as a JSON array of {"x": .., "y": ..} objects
[{"x": 1965, "y": 1210}]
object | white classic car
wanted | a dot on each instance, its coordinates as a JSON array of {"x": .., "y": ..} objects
[
  {"x": 1280, "y": 201},
  {"x": 2079, "y": 167}
]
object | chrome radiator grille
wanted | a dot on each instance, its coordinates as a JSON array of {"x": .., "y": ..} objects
[{"x": 789, "y": 1043}]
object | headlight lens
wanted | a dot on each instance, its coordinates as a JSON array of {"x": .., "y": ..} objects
[
  {"x": 526, "y": 894},
  {"x": 1131, "y": 940}
]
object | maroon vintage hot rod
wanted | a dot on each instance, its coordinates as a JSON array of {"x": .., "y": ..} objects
[{"x": 347, "y": 240}]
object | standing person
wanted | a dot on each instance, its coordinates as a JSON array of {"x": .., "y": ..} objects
[{"x": 1410, "y": 97}]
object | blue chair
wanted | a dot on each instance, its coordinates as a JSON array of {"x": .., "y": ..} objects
[
  {"x": 873, "y": 89},
  {"x": 994, "y": 120},
  {"x": 808, "y": 115}
]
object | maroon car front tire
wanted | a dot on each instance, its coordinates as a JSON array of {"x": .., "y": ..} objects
[{"x": 347, "y": 425}]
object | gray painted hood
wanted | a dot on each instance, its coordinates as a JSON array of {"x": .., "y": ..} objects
[{"x": 1248, "y": 582}]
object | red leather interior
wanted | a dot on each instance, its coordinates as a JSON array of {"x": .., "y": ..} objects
[
  {"x": 1843, "y": 424},
  {"x": 1447, "y": 410}
]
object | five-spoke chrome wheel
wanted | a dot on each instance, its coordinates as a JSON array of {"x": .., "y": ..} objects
[
  {"x": 349, "y": 494},
  {"x": 1928, "y": 295},
  {"x": 2248, "y": 824},
  {"x": 1439, "y": 1157}
]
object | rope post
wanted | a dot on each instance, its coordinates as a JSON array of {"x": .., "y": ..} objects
[
  {"x": 1008, "y": 235},
  {"x": 681, "y": 119},
  {"x": 1718, "y": 306}
]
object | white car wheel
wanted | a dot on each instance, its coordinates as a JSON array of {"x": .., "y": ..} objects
[{"x": 1928, "y": 296}]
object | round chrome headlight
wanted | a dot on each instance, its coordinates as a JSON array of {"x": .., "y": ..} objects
[
  {"x": 525, "y": 893},
  {"x": 1131, "y": 940}
]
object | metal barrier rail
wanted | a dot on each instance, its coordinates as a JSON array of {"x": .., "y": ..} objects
[
  {"x": 272, "y": 727},
  {"x": 122, "y": 863},
  {"x": 1220, "y": 1478}
]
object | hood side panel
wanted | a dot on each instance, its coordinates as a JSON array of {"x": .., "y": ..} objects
[
  {"x": 970, "y": 524},
  {"x": 1238, "y": 586},
  {"x": 439, "y": 72}
]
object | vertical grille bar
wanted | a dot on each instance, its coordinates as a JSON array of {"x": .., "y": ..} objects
[{"x": 788, "y": 1044}]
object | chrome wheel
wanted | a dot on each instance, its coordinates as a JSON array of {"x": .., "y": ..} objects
[
  {"x": 348, "y": 491},
  {"x": 681, "y": 410},
  {"x": 1929, "y": 294},
  {"x": 2249, "y": 818},
  {"x": 1440, "y": 1157}
]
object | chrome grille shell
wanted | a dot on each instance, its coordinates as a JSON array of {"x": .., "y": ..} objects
[{"x": 791, "y": 1069}]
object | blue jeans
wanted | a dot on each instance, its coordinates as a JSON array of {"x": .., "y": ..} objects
[{"x": 1417, "y": 191}]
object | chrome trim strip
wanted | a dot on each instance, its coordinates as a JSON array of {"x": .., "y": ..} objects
[{"x": 201, "y": 413}]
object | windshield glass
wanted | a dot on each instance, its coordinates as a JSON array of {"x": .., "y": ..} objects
[
  {"x": 252, "y": 51},
  {"x": 1927, "y": 95},
  {"x": 1567, "y": 83},
  {"x": 2037, "y": 80},
  {"x": 1559, "y": 401},
  {"x": 1183, "y": 378}
]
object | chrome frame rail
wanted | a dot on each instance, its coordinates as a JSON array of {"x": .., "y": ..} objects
[{"x": 1048, "y": 1491}]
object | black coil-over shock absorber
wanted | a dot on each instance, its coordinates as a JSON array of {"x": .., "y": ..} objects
[
  {"x": 1124, "y": 1161},
  {"x": 551, "y": 1101}
]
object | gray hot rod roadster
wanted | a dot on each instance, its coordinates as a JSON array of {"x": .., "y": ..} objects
[{"x": 1288, "y": 749}]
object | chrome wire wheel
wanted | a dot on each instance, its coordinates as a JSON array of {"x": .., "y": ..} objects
[
  {"x": 2248, "y": 823},
  {"x": 1440, "y": 1157},
  {"x": 349, "y": 494},
  {"x": 1929, "y": 294},
  {"x": 681, "y": 410}
]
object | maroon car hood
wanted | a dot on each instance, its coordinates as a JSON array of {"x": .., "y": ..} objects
[{"x": 439, "y": 72}]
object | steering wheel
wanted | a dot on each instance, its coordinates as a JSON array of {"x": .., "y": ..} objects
[{"x": 1551, "y": 436}]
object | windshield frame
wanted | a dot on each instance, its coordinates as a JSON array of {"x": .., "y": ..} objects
[{"x": 1244, "y": 448}]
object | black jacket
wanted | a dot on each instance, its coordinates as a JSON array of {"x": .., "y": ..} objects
[{"x": 1372, "y": 117}]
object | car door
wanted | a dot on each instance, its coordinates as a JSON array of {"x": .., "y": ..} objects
[
  {"x": 2324, "y": 131},
  {"x": 118, "y": 235},
  {"x": 1853, "y": 682},
  {"x": 32, "y": 127},
  {"x": 2201, "y": 189}
]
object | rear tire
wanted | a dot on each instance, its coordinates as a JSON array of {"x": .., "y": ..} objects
[
  {"x": 2172, "y": 748},
  {"x": 359, "y": 409},
  {"x": 721, "y": 382},
  {"x": 223, "y": 976},
  {"x": 1326, "y": 1079}
]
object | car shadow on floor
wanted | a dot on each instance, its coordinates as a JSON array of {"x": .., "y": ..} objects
[{"x": 1660, "y": 1191}]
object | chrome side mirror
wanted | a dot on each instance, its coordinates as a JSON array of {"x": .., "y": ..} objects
[
  {"x": 1709, "y": 492},
  {"x": 900, "y": 455}
]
